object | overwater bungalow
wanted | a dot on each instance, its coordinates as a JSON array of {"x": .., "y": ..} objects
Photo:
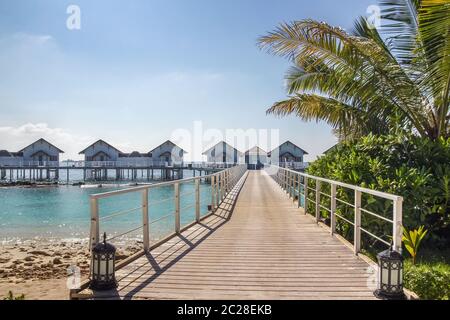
[
  {"x": 287, "y": 152},
  {"x": 101, "y": 151},
  {"x": 167, "y": 152},
  {"x": 39, "y": 153},
  {"x": 332, "y": 148},
  {"x": 256, "y": 157},
  {"x": 8, "y": 158},
  {"x": 222, "y": 152}
]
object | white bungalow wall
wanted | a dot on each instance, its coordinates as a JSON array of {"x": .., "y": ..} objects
[
  {"x": 168, "y": 152},
  {"x": 109, "y": 153},
  {"x": 41, "y": 151},
  {"x": 286, "y": 147},
  {"x": 222, "y": 152}
]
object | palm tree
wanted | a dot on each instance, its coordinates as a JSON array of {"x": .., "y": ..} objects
[{"x": 370, "y": 80}]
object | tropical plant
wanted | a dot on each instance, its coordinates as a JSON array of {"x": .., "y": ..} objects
[
  {"x": 412, "y": 239},
  {"x": 404, "y": 164},
  {"x": 11, "y": 296},
  {"x": 430, "y": 280},
  {"x": 370, "y": 81}
]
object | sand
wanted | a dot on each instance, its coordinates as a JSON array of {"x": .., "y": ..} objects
[{"x": 39, "y": 270}]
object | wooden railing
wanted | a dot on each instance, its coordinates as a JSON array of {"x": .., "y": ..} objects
[
  {"x": 220, "y": 184},
  {"x": 308, "y": 189}
]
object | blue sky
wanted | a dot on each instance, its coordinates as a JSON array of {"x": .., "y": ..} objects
[{"x": 138, "y": 71}]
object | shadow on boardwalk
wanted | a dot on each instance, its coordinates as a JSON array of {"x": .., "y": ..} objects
[{"x": 257, "y": 245}]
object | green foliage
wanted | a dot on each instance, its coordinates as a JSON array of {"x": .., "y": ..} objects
[
  {"x": 412, "y": 239},
  {"x": 428, "y": 280},
  {"x": 416, "y": 168},
  {"x": 11, "y": 296}
]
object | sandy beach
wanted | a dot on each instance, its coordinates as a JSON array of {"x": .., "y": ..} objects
[{"x": 39, "y": 269}]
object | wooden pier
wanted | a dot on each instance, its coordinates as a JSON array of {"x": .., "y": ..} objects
[
  {"x": 258, "y": 244},
  {"x": 112, "y": 172}
]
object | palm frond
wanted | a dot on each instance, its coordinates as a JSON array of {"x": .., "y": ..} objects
[
  {"x": 351, "y": 119},
  {"x": 398, "y": 77},
  {"x": 434, "y": 22},
  {"x": 401, "y": 24},
  {"x": 333, "y": 47}
]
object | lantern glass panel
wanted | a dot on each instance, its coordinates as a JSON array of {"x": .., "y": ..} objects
[
  {"x": 394, "y": 277},
  {"x": 102, "y": 267}
]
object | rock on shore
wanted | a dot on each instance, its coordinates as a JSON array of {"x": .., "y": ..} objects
[{"x": 21, "y": 263}]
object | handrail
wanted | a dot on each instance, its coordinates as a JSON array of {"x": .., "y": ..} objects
[
  {"x": 346, "y": 185},
  {"x": 149, "y": 186},
  {"x": 222, "y": 183},
  {"x": 290, "y": 181}
]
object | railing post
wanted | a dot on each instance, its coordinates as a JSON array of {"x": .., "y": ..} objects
[
  {"x": 333, "y": 209},
  {"x": 197, "y": 200},
  {"x": 145, "y": 224},
  {"x": 397, "y": 224},
  {"x": 227, "y": 181},
  {"x": 305, "y": 191},
  {"x": 213, "y": 200},
  {"x": 317, "y": 200},
  {"x": 291, "y": 184},
  {"x": 299, "y": 187},
  {"x": 177, "y": 207},
  {"x": 220, "y": 187},
  {"x": 94, "y": 223},
  {"x": 224, "y": 191},
  {"x": 287, "y": 182},
  {"x": 217, "y": 190},
  {"x": 285, "y": 179},
  {"x": 357, "y": 227}
]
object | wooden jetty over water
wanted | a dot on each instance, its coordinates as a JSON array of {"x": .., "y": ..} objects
[
  {"x": 105, "y": 170},
  {"x": 256, "y": 242}
]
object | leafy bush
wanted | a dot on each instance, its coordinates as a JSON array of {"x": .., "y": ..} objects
[
  {"x": 416, "y": 168},
  {"x": 412, "y": 239},
  {"x": 11, "y": 296},
  {"x": 428, "y": 280}
]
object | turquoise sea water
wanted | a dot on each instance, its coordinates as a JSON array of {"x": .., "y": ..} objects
[{"x": 63, "y": 212}]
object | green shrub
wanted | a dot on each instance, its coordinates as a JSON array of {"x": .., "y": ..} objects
[
  {"x": 430, "y": 281},
  {"x": 11, "y": 296},
  {"x": 416, "y": 168}
]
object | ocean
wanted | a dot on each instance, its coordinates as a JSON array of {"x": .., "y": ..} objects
[{"x": 63, "y": 212}]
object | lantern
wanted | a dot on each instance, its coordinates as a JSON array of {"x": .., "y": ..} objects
[
  {"x": 103, "y": 266},
  {"x": 390, "y": 275}
]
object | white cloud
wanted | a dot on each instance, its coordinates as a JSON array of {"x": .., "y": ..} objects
[
  {"x": 15, "y": 138},
  {"x": 32, "y": 39}
]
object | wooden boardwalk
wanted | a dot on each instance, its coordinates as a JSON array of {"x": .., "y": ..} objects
[{"x": 257, "y": 245}]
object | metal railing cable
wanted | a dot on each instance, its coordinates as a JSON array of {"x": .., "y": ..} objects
[
  {"x": 219, "y": 185},
  {"x": 291, "y": 180}
]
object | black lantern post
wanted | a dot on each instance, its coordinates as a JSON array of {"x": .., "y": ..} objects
[
  {"x": 390, "y": 275},
  {"x": 103, "y": 266}
]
